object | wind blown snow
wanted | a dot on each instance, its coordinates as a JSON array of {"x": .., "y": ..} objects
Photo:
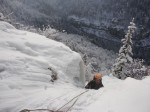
[{"x": 25, "y": 80}]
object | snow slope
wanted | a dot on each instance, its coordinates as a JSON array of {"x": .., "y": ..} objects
[
  {"x": 25, "y": 79},
  {"x": 129, "y": 95}
]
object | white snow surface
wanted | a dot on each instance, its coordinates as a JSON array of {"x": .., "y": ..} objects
[{"x": 25, "y": 79}]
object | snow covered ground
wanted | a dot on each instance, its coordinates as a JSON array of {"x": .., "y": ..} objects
[{"x": 25, "y": 80}]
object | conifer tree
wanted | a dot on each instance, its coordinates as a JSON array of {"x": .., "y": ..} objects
[{"x": 125, "y": 52}]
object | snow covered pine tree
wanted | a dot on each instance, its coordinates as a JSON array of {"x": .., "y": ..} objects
[
  {"x": 125, "y": 53},
  {"x": 136, "y": 69}
]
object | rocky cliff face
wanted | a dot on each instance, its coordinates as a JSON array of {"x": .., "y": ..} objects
[{"x": 104, "y": 21}]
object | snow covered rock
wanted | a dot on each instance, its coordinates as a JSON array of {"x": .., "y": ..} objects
[
  {"x": 4, "y": 25},
  {"x": 25, "y": 58},
  {"x": 22, "y": 51}
]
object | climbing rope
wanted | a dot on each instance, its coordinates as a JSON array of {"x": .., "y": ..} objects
[
  {"x": 58, "y": 110},
  {"x": 72, "y": 100},
  {"x": 27, "y": 110},
  {"x": 72, "y": 105}
]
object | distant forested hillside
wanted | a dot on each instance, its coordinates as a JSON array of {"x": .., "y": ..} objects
[{"x": 103, "y": 21}]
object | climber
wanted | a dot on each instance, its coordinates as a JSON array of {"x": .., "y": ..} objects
[{"x": 96, "y": 83}]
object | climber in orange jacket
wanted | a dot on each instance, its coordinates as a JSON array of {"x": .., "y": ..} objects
[{"x": 96, "y": 83}]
